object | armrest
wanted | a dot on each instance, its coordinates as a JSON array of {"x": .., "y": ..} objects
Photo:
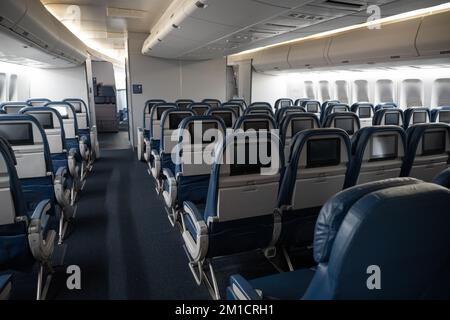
[
  {"x": 242, "y": 289},
  {"x": 84, "y": 148},
  {"x": 156, "y": 166},
  {"x": 41, "y": 248},
  {"x": 196, "y": 217},
  {"x": 140, "y": 143},
  {"x": 62, "y": 197},
  {"x": 170, "y": 195},
  {"x": 72, "y": 163}
]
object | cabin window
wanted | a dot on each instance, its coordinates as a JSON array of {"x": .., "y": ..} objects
[
  {"x": 384, "y": 91},
  {"x": 2, "y": 86},
  {"x": 441, "y": 92},
  {"x": 342, "y": 91},
  {"x": 362, "y": 90},
  {"x": 324, "y": 90},
  {"x": 12, "y": 95},
  {"x": 309, "y": 90},
  {"x": 412, "y": 93}
]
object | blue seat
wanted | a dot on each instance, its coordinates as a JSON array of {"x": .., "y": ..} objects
[
  {"x": 37, "y": 102},
  {"x": 428, "y": 151},
  {"x": 386, "y": 105},
  {"x": 184, "y": 103},
  {"x": 371, "y": 228},
  {"x": 236, "y": 106},
  {"x": 241, "y": 102},
  {"x": 12, "y": 107},
  {"x": 388, "y": 117},
  {"x": 26, "y": 238},
  {"x": 73, "y": 138},
  {"x": 283, "y": 103},
  {"x": 263, "y": 110},
  {"x": 441, "y": 115},
  {"x": 242, "y": 194},
  {"x": 214, "y": 103},
  {"x": 332, "y": 108},
  {"x": 312, "y": 106},
  {"x": 150, "y": 133},
  {"x": 377, "y": 154},
  {"x": 298, "y": 102},
  {"x": 227, "y": 114},
  {"x": 256, "y": 122},
  {"x": 329, "y": 102},
  {"x": 5, "y": 286},
  {"x": 282, "y": 113},
  {"x": 63, "y": 159},
  {"x": 416, "y": 116},
  {"x": 347, "y": 121},
  {"x": 197, "y": 136},
  {"x": 443, "y": 179},
  {"x": 317, "y": 171},
  {"x": 200, "y": 109},
  {"x": 293, "y": 124},
  {"x": 143, "y": 133},
  {"x": 260, "y": 104},
  {"x": 164, "y": 156},
  {"x": 365, "y": 112}
]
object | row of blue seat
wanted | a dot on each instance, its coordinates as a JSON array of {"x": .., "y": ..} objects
[
  {"x": 228, "y": 208},
  {"x": 40, "y": 187}
]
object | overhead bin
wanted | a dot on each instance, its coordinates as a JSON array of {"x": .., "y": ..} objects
[
  {"x": 275, "y": 58},
  {"x": 11, "y": 12},
  {"x": 309, "y": 54},
  {"x": 34, "y": 27},
  {"x": 391, "y": 42},
  {"x": 433, "y": 38}
]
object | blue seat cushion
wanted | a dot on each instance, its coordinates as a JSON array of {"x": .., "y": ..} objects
[
  {"x": 85, "y": 133},
  {"x": 37, "y": 189},
  {"x": 284, "y": 286},
  {"x": 73, "y": 144},
  {"x": 193, "y": 188},
  {"x": 146, "y": 134},
  {"x": 59, "y": 160}
]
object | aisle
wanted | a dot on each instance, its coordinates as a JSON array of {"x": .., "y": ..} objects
[{"x": 122, "y": 239}]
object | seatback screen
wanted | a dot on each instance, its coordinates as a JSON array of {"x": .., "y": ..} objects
[
  {"x": 77, "y": 107},
  {"x": 13, "y": 109},
  {"x": 200, "y": 111},
  {"x": 433, "y": 143},
  {"x": 346, "y": 124},
  {"x": 227, "y": 117},
  {"x": 160, "y": 111},
  {"x": 256, "y": 125},
  {"x": 176, "y": 118},
  {"x": 197, "y": 129},
  {"x": 213, "y": 104},
  {"x": 17, "y": 134},
  {"x": 364, "y": 112},
  {"x": 312, "y": 107},
  {"x": 339, "y": 109},
  {"x": 184, "y": 104},
  {"x": 384, "y": 147},
  {"x": 251, "y": 164},
  {"x": 44, "y": 118},
  {"x": 419, "y": 117},
  {"x": 285, "y": 103},
  {"x": 237, "y": 110},
  {"x": 392, "y": 119},
  {"x": 444, "y": 116},
  {"x": 62, "y": 111},
  {"x": 323, "y": 152},
  {"x": 300, "y": 125}
]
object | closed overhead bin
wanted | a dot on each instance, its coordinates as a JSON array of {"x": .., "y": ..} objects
[
  {"x": 391, "y": 42},
  {"x": 433, "y": 38},
  {"x": 275, "y": 58},
  {"x": 11, "y": 11},
  {"x": 309, "y": 54}
]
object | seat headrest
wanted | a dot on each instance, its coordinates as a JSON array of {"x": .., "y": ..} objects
[
  {"x": 283, "y": 103},
  {"x": 149, "y": 104},
  {"x": 260, "y": 104},
  {"x": 38, "y": 101},
  {"x": 386, "y": 114},
  {"x": 363, "y": 136},
  {"x": 214, "y": 103},
  {"x": 356, "y": 106},
  {"x": 299, "y": 102},
  {"x": 235, "y": 106},
  {"x": 56, "y": 114},
  {"x": 280, "y": 114},
  {"x": 335, "y": 210},
  {"x": 81, "y": 102},
  {"x": 187, "y": 122},
  {"x": 443, "y": 179},
  {"x": 199, "y": 106},
  {"x": 387, "y": 105},
  {"x": 416, "y": 116},
  {"x": 329, "y": 102},
  {"x": 255, "y": 121},
  {"x": 12, "y": 107}
]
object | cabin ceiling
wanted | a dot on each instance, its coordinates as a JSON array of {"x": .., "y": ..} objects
[{"x": 222, "y": 28}]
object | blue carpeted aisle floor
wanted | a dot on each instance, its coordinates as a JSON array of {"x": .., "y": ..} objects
[{"x": 122, "y": 239}]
